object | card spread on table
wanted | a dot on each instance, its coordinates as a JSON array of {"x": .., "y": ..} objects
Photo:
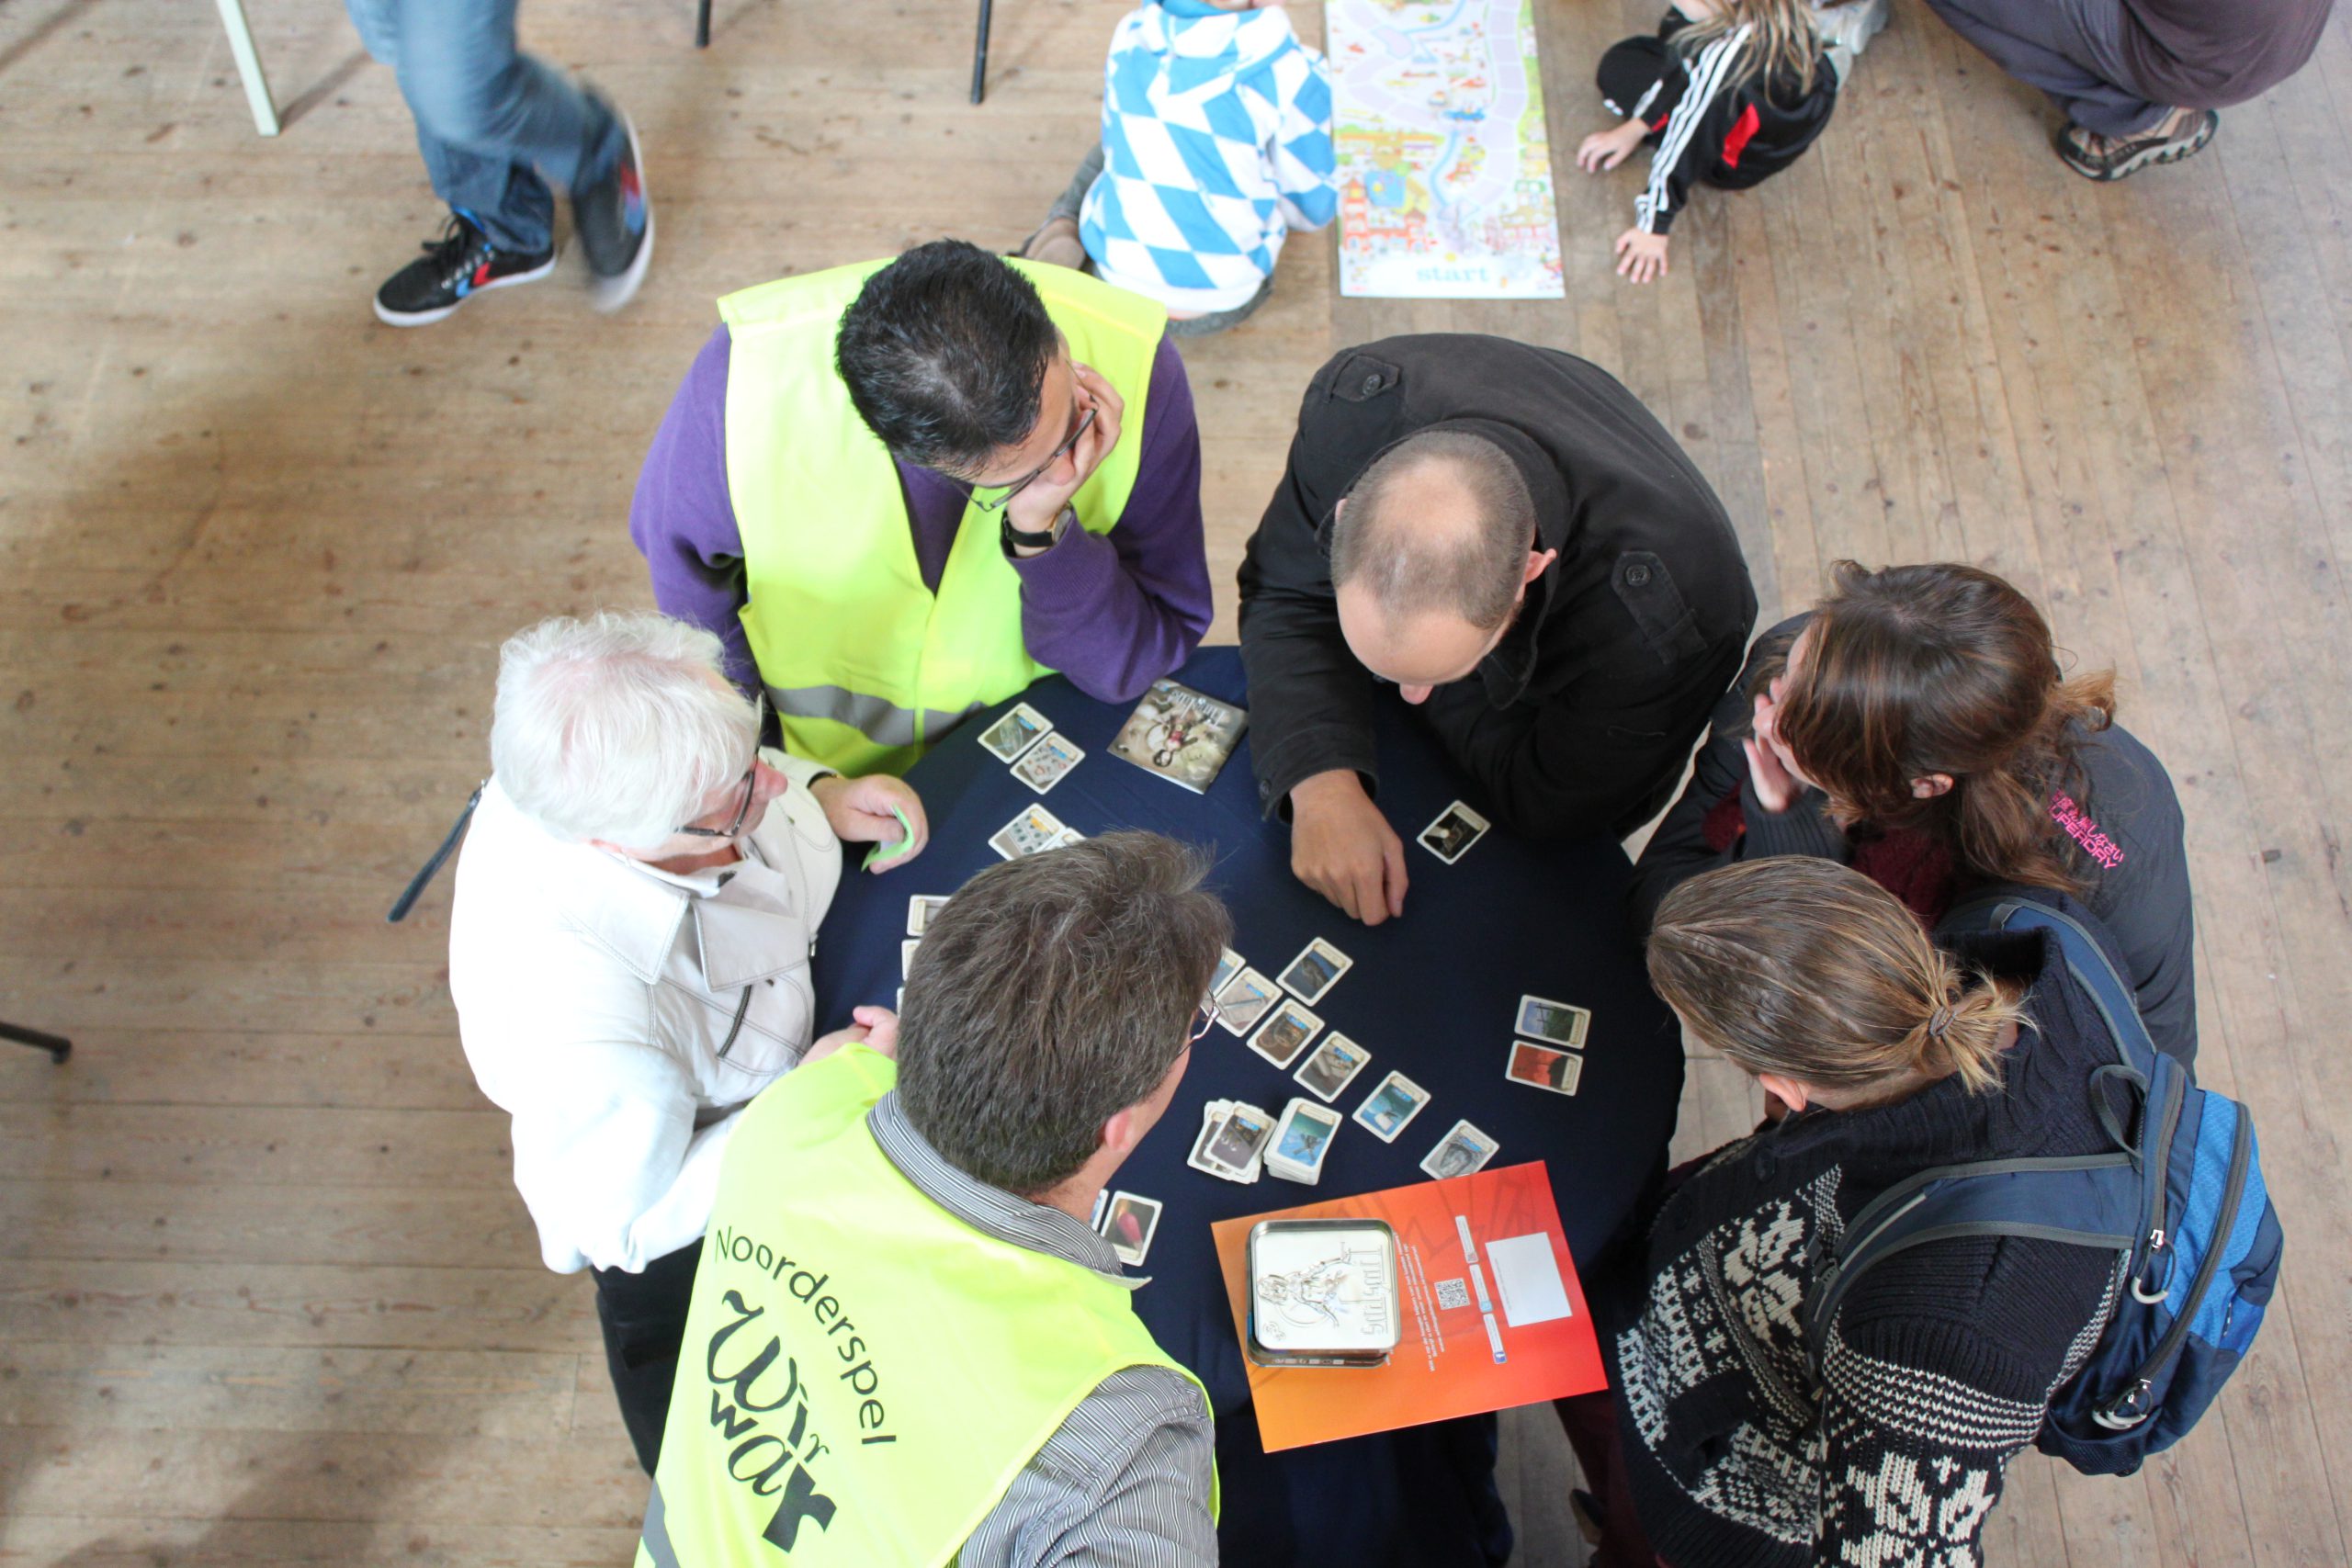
[
  {"x": 1015, "y": 732},
  {"x": 1462, "y": 1150},
  {"x": 1541, "y": 1066},
  {"x": 1048, "y": 762},
  {"x": 1033, "y": 832},
  {"x": 1456, "y": 829},
  {"x": 1316, "y": 971},
  {"x": 1244, "y": 1000},
  {"x": 1286, "y": 1032},
  {"x": 1560, "y": 1023},
  {"x": 1183, "y": 735},
  {"x": 922, "y": 909},
  {"x": 1332, "y": 1068},
  {"x": 1390, "y": 1106},
  {"x": 1128, "y": 1223},
  {"x": 1229, "y": 965}
]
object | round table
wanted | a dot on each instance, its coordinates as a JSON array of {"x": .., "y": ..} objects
[{"x": 1434, "y": 994}]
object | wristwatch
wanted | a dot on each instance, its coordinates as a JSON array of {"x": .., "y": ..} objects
[{"x": 1015, "y": 538}]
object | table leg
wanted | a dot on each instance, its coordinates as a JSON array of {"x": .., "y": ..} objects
[
  {"x": 979, "y": 54},
  {"x": 241, "y": 44}
]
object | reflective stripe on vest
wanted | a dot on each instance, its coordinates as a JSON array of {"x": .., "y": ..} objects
[
  {"x": 869, "y": 665},
  {"x": 863, "y": 1374}
]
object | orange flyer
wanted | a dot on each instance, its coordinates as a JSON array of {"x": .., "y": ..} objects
[{"x": 1493, "y": 1313}]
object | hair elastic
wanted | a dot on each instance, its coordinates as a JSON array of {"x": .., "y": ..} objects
[{"x": 1939, "y": 1023}]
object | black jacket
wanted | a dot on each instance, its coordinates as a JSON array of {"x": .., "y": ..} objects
[
  {"x": 2126, "y": 831},
  {"x": 1580, "y": 719}
]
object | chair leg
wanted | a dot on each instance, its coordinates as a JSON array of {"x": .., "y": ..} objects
[
  {"x": 702, "y": 25},
  {"x": 57, "y": 1046},
  {"x": 980, "y": 56}
]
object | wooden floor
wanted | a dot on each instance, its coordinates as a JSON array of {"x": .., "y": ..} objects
[{"x": 266, "y": 1292}]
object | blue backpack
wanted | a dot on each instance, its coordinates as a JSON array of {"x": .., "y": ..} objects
[{"x": 2181, "y": 1196}]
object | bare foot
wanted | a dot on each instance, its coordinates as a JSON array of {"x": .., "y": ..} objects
[{"x": 1056, "y": 244}]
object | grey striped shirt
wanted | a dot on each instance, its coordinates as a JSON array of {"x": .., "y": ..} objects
[{"x": 1125, "y": 1483}]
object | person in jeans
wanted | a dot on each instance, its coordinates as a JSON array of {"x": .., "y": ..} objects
[
  {"x": 497, "y": 126},
  {"x": 642, "y": 886},
  {"x": 1730, "y": 1434},
  {"x": 2139, "y": 80}
]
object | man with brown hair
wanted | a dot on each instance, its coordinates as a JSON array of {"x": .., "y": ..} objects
[{"x": 1506, "y": 535}]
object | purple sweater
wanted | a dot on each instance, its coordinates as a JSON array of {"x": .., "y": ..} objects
[{"x": 1113, "y": 612}]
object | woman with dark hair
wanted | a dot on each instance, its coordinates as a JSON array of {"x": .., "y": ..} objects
[
  {"x": 1916, "y": 724},
  {"x": 1729, "y": 1437}
]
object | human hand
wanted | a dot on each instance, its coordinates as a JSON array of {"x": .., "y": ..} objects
[
  {"x": 1604, "y": 149},
  {"x": 1041, "y": 500},
  {"x": 859, "y": 813},
  {"x": 1640, "y": 257},
  {"x": 1778, "y": 781},
  {"x": 1344, "y": 848},
  {"x": 877, "y": 1028}
]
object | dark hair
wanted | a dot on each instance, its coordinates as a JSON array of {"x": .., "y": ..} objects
[
  {"x": 1802, "y": 966},
  {"x": 1943, "y": 669},
  {"x": 944, "y": 352},
  {"x": 1412, "y": 570},
  {"x": 1051, "y": 993}
]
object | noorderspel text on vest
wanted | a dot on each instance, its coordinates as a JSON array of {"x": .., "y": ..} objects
[{"x": 759, "y": 1394}]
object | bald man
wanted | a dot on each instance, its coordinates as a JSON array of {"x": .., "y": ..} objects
[{"x": 1506, "y": 535}]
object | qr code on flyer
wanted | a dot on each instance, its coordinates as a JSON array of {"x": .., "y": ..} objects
[{"x": 1452, "y": 1293}]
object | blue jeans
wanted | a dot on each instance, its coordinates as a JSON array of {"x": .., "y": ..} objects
[{"x": 495, "y": 125}]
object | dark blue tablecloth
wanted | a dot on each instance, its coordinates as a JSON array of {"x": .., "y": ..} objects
[{"x": 1434, "y": 994}]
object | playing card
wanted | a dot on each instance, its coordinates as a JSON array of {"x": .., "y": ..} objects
[
  {"x": 1388, "y": 1109},
  {"x": 1333, "y": 1066},
  {"x": 1229, "y": 965},
  {"x": 1540, "y": 1066},
  {"x": 1129, "y": 1224},
  {"x": 1286, "y": 1032},
  {"x": 1561, "y": 1023},
  {"x": 1456, "y": 829},
  {"x": 907, "y": 957},
  {"x": 922, "y": 909},
  {"x": 1244, "y": 1000},
  {"x": 1462, "y": 1150},
  {"x": 1033, "y": 832},
  {"x": 1183, "y": 735},
  {"x": 1015, "y": 732},
  {"x": 1241, "y": 1138},
  {"x": 1048, "y": 762},
  {"x": 1316, "y": 971},
  {"x": 1301, "y": 1139}
]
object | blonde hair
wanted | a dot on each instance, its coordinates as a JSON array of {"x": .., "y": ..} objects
[
  {"x": 1809, "y": 969},
  {"x": 1782, "y": 38}
]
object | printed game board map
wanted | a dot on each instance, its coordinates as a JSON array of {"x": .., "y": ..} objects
[{"x": 1445, "y": 163}]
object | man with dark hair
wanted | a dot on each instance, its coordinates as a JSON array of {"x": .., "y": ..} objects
[
  {"x": 1506, "y": 535},
  {"x": 908, "y": 1343},
  {"x": 903, "y": 491}
]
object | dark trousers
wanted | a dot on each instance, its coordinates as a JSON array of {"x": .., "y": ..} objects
[
  {"x": 644, "y": 1320},
  {"x": 2071, "y": 50},
  {"x": 1590, "y": 1421}
]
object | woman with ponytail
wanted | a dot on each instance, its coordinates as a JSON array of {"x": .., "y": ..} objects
[
  {"x": 1728, "y": 1438},
  {"x": 1916, "y": 724}
]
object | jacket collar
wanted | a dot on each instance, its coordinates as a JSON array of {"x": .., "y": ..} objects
[{"x": 1507, "y": 670}]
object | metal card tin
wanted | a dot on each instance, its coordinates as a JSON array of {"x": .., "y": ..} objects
[{"x": 1322, "y": 1294}]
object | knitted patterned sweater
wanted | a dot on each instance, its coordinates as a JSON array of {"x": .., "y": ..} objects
[{"x": 1941, "y": 1361}]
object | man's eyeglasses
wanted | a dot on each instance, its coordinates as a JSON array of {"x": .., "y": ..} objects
[
  {"x": 749, "y": 787},
  {"x": 1017, "y": 486},
  {"x": 1204, "y": 1018}
]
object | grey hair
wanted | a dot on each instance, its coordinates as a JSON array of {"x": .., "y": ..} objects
[
  {"x": 1411, "y": 570},
  {"x": 616, "y": 727},
  {"x": 1050, "y": 994}
]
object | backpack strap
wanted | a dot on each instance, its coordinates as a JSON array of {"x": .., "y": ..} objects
[
  {"x": 2086, "y": 959},
  {"x": 432, "y": 868}
]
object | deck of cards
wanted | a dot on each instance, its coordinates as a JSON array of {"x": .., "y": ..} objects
[
  {"x": 1232, "y": 1145},
  {"x": 1302, "y": 1138},
  {"x": 1456, "y": 829},
  {"x": 1183, "y": 735}
]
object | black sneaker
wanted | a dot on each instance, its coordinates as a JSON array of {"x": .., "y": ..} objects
[
  {"x": 459, "y": 264},
  {"x": 615, "y": 222}
]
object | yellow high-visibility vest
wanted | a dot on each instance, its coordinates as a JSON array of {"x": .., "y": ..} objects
[
  {"x": 864, "y": 1374},
  {"x": 865, "y": 665}
]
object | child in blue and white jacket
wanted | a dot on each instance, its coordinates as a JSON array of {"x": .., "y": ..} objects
[{"x": 1216, "y": 142}]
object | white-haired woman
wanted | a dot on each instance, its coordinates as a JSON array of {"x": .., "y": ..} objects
[{"x": 629, "y": 951}]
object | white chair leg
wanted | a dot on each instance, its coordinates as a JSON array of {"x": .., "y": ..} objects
[{"x": 241, "y": 44}]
